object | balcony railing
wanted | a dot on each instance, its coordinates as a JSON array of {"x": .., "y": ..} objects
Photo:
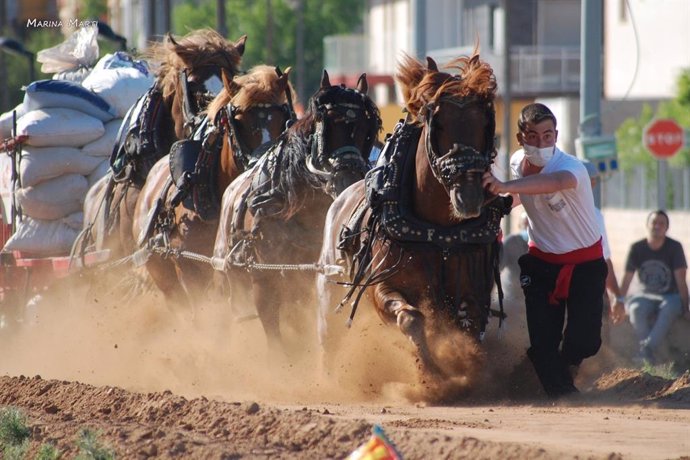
[{"x": 535, "y": 70}]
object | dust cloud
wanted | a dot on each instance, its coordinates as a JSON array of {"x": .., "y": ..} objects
[{"x": 86, "y": 331}]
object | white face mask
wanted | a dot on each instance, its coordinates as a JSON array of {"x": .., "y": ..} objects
[{"x": 537, "y": 156}]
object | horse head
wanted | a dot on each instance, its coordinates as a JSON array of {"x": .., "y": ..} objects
[
  {"x": 346, "y": 125},
  {"x": 257, "y": 108},
  {"x": 457, "y": 117},
  {"x": 191, "y": 70}
]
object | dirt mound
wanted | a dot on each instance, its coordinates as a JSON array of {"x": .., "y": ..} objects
[{"x": 165, "y": 425}]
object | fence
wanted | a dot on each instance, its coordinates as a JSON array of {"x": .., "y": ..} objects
[{"x": 637, "y": 189}]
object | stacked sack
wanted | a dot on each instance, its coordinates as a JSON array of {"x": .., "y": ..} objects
[{"x": 70, "y": 128}]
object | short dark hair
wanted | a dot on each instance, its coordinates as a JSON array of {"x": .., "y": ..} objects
[
  {"x": 659, "y": 212},
  {"x": 535, "y": 113}
]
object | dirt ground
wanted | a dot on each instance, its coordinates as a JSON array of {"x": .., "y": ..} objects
[{"x": 156, "y": 384}]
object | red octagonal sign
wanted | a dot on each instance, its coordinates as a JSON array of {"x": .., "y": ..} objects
[{"x": 663, "y": 138}]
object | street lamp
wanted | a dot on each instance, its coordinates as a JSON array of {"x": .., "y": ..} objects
[
  {"x": 108, "y": 33},
  {"x": 12, "y": 46}
]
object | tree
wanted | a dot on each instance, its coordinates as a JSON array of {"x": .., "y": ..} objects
[
  {"x": 17, "y": 67},
  {"x": 631, "y": 150},
  {"x": 321, "y": 18}
]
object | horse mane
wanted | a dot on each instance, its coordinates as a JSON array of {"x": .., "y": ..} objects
[
  {"x": 203, "y": 47},
  {"x": 258, "y": 86},
  {"x": 420, "y": 86}
]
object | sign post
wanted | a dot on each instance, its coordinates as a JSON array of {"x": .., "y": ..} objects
[{"x": 663, "y": 138}]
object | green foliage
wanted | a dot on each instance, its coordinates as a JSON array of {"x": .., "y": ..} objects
[
  {"x": 15, "y": 452},
  {"x": 13, "y": 427},
  {"x": 16, "y": 68},
  {"x": 48, "y": 452},
  {"x": 90, "y": 447},
  {"x": 665, "y": 371},
  {"x": 93, "y": 9},
  {"x": 276, "y": 44},
  {"x": 684, "y": 89},
  {"x": 631, "y": 151}
]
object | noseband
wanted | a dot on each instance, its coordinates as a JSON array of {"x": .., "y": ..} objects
[{"x": 461, "y": 158}]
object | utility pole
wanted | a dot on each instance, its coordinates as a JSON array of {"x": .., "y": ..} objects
[
  {"x": 166, "y": 16},
  {"x": 507, "y": 99},
  {"x": 591, "y": 32},
  {"x": 221, "y": 25},
  {"x": 269, "y": 33},
  {"x": 300, "y": 51},
  {"x": 418, "y": 11}
]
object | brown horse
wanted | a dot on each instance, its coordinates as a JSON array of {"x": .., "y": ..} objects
[
  {"x": 178, "y": 207},
  {"x": 166, "y": 113},
  {"x": 418, "y": 233},
  {"x": 273, "y": 214}
]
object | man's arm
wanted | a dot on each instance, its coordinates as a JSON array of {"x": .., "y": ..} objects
[
  {"x": 617, "y": 305},
  {"x": 679, "y": 274},
  {"x": 625, "y": 284},
  {"x": 531, "y": 185}
]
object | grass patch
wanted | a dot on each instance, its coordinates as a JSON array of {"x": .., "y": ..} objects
[
  {"x": 91, "y": 448},
  {"x": 48, "y": 452},
  {"x": 13, "y": 427},
  {"x": 665, "y": 371}
]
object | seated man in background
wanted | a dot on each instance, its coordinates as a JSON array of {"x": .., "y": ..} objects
[{"x": 661, "y": 268}]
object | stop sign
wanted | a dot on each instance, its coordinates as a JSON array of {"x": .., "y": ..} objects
[{"x": 663, "y": 138}]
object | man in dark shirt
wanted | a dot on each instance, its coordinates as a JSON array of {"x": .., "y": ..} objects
[{"x": 661, "y": 268}]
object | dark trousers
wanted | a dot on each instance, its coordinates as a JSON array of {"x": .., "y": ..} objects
[{"x": 553, "y": 348}]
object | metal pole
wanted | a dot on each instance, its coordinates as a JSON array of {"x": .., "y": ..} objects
[
  {"x": 507, "y": 101},
  {"x": 418, "y": 11},
  {"x": 300, "y": 50},
  {"x": 221, "y": 24},
  {"x": 662, "y": 170},
  {"x": 269, "y": 32},
  {"x": 166, "y": 16},
  {"x": 591, "y": 33}
]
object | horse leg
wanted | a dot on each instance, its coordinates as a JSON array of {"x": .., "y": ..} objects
[
  {"x": 164, "y": 275},
  {"x": 267, "y": 300},
  {"x": 411, "y": 322}
]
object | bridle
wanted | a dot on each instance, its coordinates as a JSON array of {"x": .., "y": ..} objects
[
  {"x": 324, "y": 164},
  {"x": 261, "y": 112},
  {"x": 461, "y": 158}
]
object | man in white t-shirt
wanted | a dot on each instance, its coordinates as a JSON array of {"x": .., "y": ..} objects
[{"x": 563, "y": 273}]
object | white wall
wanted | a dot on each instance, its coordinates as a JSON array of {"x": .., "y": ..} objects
[
  {"x": 567, "y": 112},
  {"x": 390, "y": 34},
  {"x": 663, "y": 34}
]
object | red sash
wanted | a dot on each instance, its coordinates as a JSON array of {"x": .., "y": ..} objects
[{"x": 569, "y": 261}]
